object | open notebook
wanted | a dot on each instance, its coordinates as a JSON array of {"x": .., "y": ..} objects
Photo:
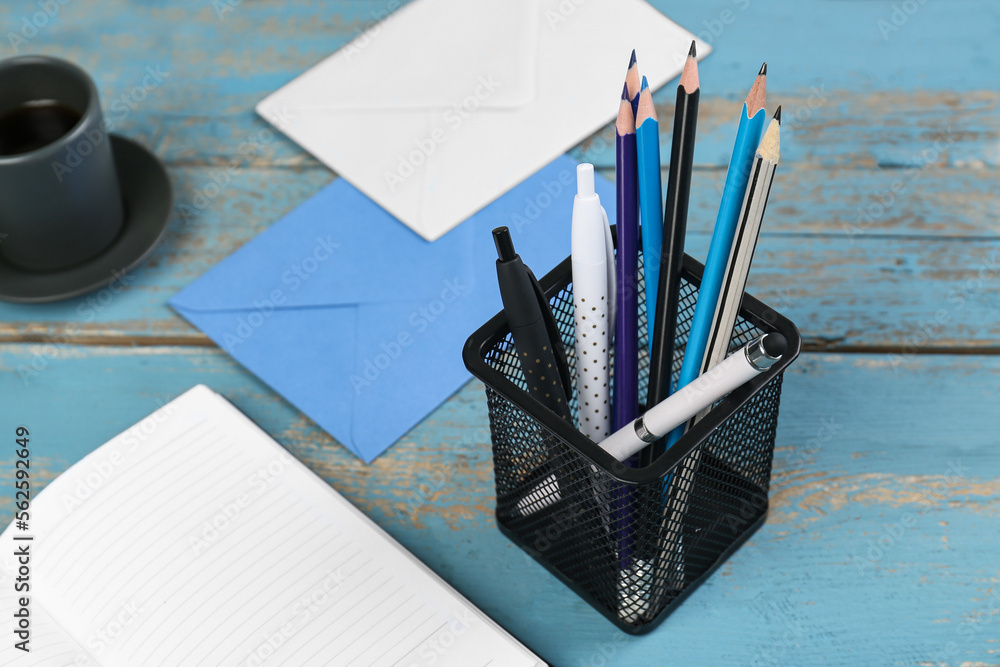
[{"x": 194, "y": 539}]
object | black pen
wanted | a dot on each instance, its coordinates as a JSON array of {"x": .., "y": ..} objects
[{"x": 537, "y": 341}]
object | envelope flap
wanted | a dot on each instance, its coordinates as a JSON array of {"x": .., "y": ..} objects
[
  {"x": 338, "y": 248},
  {"x": 430, "y": 54},
  {"x": 433, "y": 167},
  {"x": 368, "y": 372}
]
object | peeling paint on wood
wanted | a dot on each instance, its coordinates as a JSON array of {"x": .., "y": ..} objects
[{"x": 881, "y": 238}]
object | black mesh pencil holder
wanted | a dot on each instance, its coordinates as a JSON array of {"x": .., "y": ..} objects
[{"x": 633, "y": 543}]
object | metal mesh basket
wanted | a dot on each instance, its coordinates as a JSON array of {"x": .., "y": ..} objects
[{"x": 632, "y": 542}]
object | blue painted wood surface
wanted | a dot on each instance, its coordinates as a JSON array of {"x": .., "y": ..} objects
[{"x": 890, "y": 420}]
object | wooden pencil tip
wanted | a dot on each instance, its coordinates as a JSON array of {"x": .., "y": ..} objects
[
  {"x": 645, "y": 85},
  {"x": 770, "y": 144},
  {"x": 645, "y": 110},
  {"x": 632, "y": 77},
  {"x": 693, "y": 52},
  {"x": 625, "y": 124},
  {"x": 777, "y": 114},
  {"x": 757, "y": 97},
  {"x": 689, "y": 77}
]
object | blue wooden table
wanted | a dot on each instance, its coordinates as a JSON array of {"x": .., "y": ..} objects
[{"x": 881, "y": 243}]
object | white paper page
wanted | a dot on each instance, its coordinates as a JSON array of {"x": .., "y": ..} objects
[
  {"x": 49, "y": 644},
  {"x": 199, "y": 541}
]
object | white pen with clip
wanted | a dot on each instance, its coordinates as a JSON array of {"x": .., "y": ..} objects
[
  {"x": 593, "y": 305},
  {"x": 593, "y": 261}
]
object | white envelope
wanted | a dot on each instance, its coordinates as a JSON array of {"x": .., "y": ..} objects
[{"x": 446, "y": 104}]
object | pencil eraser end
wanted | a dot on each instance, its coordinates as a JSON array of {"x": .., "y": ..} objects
[{"x": 585, "y": 179}]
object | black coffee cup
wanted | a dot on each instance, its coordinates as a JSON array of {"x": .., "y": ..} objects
[{"x": 60, "y": 201}]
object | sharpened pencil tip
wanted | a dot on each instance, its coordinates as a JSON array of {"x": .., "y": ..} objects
[
  {"x": 777, "y": 114},
  {"x": 631, "y": 61},
  {"x": 693, "y": 52},
  {"x": 646, "y": 110},
  {"x": 758, "y": 93}
]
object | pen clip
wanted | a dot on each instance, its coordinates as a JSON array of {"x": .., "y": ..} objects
[
  {"x": 552, "y": 328},
  {"x": 609, "y": 250}
]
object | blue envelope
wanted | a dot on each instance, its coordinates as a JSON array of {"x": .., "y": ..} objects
[{"x": 358, "y": 321}]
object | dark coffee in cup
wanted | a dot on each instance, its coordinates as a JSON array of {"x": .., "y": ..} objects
[
  {"x": 35, "y": 125},
  {"x": 60, "y": 202}
]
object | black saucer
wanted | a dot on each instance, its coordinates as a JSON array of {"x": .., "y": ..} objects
[{"x": 148, "y": 199}]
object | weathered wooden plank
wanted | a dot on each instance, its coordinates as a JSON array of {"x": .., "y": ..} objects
[
  {"x": 885, "y": 496},
  {"x": 857, "y": 100},
  {"x": 849, "y": 270},
  {"x": 862, "y": 55},
  {"x": 825, "y": 128}
]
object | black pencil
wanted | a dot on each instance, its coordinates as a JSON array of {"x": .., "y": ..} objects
[{"x": 674, "y": 230}]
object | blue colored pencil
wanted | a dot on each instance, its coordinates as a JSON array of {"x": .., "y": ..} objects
[
  {"x": 625, "y": 384},
  {"x": 647, "y": 137},
  {"x": 748, "y": 135},
  {"x": 626, "y": 374}
]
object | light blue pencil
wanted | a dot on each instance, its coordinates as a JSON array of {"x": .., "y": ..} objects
[
  {"x": 747, "y": 137},
  {"x": 647, "y": 135}
]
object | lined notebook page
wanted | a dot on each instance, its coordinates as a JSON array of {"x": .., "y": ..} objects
[
  {"x": 51, "y": 645},
  {"x": 194, "y": 539}
]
